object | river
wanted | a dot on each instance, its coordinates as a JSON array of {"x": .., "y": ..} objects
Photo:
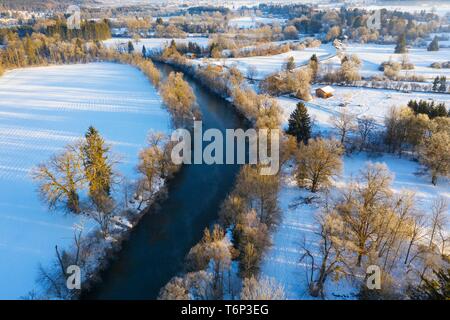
[{"x": 156, "y": 248}]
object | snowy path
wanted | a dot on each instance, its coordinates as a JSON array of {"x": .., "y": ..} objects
[{"x": 41, "y": 110}]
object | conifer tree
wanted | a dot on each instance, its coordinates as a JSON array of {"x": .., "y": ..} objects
[
  {"x": 314, "y": 66},
  {"x": 300, "y": 124},
  {"x": 97, "y": 164},
  {"x": 290, "y": 64},
  {"x": 435, "y": 84},
  {"x": 130, "y": 47},
  {"x": 434, "y": 45},
  {"x": 144, "y": 51},
  {"x": 401, "y": 44}
]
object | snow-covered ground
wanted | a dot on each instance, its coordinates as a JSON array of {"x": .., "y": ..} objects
[
  {"x": 298, "y": 225},
  {"x": 152, "y": 43},
  {"x": 253, "y": 22},
  {"x": 360, "y": 101},
  {"x": 41, "y": 110},
  {"x": 265, "y": 65},
  {"x": 372, "y": 55}
]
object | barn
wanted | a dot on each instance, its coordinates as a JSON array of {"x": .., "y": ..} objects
[{"x": 324, "y": 92}]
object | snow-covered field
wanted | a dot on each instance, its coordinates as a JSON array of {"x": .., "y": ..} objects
[
  {"x": 152, "y": 43},
  {"x": 265, "y": 65},
  {"x": 253, "y": 22},
  {"x": 41, "y": 110},
  {"x": 360, "y": 101},
  {"x": 372, "y": 55}
]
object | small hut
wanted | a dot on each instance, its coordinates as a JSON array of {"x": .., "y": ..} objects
[{"x": 325, "y": 92}]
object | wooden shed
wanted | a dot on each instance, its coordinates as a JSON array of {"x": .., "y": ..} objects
[{"x": 325, "y": 92}]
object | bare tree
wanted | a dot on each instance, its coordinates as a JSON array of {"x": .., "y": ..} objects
[
  {"x": 155, "y": 166},
  {"x": 343, "y": 123},
  {"x": 416, "y": 233},
  {"x": 175, "y": 289},
  {"x": 363, "y": 204},
  {"x": 331, "y": 249},
  {"x": 252, "y": 72},
  {"x": 366, "y": 126},
  {"x": 60, "y": 180},
  {"x": 439, "y": 221},
  {"x": 54, "y": 278}
]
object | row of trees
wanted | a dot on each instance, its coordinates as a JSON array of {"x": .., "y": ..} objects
[
  {"x": 431, "y": 109},
  {"x": 440, "y": 84},
  {"x": 298, "y": 81},
  {"x": 89, "y": 30},
  {"x": 262, "y": 110}
]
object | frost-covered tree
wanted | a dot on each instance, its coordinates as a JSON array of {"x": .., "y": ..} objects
[
  {"x": 130, "y": 47},
  {"x": 300, "y": 124},
  {"x": 290, "y": 33},
  {"x": 442, "y": 84},
  {"x": 318, "y": 162},
  {"x": 61, "y": 180},
  {"x": 436, "y": 84},
  {"x": 290, "y": 64},
  {"x": 262, "y": 289},
  {"x": 261, "y": 193},
  {"x": 179, "y": 100},
  {"x": 434, "y": 153},
  {"x": 401, "y": 44},
  {"x": 327, "y": 262},
  {"x": 314, "y": 66},
  {"x": 365, "y": 130},
  {"x": 175, "y": 289},
  {"x": 434, "y": 45},
  {"x": 155, "y": 166}
]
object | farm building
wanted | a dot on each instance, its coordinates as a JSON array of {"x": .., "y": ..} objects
[{"x": 325, "y": 92}]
